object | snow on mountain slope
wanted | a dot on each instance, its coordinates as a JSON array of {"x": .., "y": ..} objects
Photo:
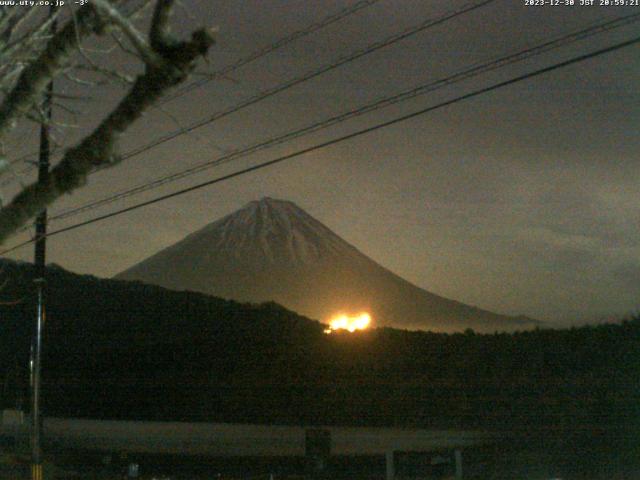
[
  {"x": 271, "y": 231},
  {"x": 273, "y": 250}
]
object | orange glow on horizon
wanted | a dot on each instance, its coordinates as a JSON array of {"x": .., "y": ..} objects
[{"x": 351, "y": 323}]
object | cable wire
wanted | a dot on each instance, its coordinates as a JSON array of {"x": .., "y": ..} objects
[
  {"x": 257, "y": 54},
  {"x": 343, "y": 138},
  {"x": 371, "y": 48},
  {"x": 473, "y": 71},
  {"x": 282, "y": 42}
]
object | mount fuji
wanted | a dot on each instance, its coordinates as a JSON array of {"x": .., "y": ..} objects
[{"x": 272, "y": 250}]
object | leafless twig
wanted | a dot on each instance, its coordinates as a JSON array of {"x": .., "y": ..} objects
[{"x": 168, "y": 62}]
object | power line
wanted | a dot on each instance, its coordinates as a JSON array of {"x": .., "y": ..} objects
[
  {"x": 392, "y": 39},
  {"x": 282, "y": 42},
  {"x": 473, "y": 71},
  {"x": 422, "y": 26},
  {"x": 343, "y": 138},
  {"x": 257, "y": 54},
  {"x": 371, "y": 48},
  {"x": 24, "y": 158}
]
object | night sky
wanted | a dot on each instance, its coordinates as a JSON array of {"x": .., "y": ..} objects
[{"x": 521, "y": 201}]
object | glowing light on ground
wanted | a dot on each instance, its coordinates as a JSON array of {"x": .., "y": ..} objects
[{"x": 349, "y": 322}]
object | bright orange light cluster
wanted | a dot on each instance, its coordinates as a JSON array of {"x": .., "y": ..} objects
[{"x": 351, "y": 323}]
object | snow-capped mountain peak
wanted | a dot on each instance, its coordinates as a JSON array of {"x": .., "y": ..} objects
[
  {"x": 272, "y": 250},
  {"x": 274, "y": 231}
]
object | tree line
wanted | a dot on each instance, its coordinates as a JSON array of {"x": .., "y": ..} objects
[{"x": 125, "y": 350}]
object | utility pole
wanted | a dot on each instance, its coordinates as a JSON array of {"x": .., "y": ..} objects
[{"x": 40, "y": 262}]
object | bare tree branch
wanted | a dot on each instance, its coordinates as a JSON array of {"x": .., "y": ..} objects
[
  {"x": 171, "y": 63},
  {"x": 135, "y": 37},
  {"x": 36, "y": 76},
  {"x": 159, "y": 35}
]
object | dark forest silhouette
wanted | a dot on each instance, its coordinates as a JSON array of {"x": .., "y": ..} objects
[{"x": 126, "y": 350}]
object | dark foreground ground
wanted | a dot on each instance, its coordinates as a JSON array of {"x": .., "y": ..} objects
[{"x": 593, "y": 456}]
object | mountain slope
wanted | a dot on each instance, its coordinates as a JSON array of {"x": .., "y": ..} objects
[{"x": 274, "y": 250}]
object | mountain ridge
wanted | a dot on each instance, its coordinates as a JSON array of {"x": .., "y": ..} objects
[{"x": 273, "y": 250}]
